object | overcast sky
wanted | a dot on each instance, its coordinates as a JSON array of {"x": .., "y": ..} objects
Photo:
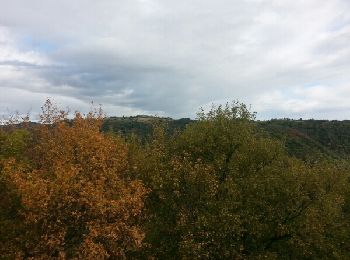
[{"x": 287, "y": 58}]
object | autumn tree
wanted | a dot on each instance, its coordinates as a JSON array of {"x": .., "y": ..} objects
[{"x": 75, "y": 201}]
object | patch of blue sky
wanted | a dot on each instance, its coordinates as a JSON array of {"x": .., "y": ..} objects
[
  {"x": 37, "y": 44},
  {"x": 311, "y": 85}
]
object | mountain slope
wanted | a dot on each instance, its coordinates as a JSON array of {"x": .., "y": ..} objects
[{"x": 305, "y": 139}]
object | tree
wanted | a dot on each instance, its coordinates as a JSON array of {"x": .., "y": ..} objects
[
  {"x": 13, "y": 144},
  {"x": 221, "y": 190},
  {"x": 75, "y": 200}
]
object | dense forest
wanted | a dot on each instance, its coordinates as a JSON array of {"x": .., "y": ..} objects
[
  {"x": 223, "y": 186},
  {"x": 304, "y": 139}
]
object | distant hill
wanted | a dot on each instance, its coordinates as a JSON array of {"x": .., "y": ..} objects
[
  {"x": 311, "y": 138},
  {"x": 305, "y": 139},
  {"x": 142, "y": 125}
]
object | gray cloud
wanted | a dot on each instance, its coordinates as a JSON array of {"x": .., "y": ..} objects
[{"x": 171, "y": 57}]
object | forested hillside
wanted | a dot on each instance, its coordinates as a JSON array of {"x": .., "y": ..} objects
[
  {"x": 220, "y": 187},
  {"x": 305, "y": 139}
]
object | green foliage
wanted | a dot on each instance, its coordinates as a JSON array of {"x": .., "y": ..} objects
[
  {"x": 13, "y": 144},
  {"x": 219, "y": 190},
  {"x": 223, "y": 186},
  {"x": 312, "y": 139},
  {"x": 309, "y": 140}
]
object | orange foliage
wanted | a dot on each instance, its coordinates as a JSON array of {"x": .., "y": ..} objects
[{"x": 76, "y": 203}]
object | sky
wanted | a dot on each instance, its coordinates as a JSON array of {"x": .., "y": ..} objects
[{"x": 284, "y": 58}]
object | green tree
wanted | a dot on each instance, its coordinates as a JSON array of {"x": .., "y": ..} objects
[
  {"x": 14, "y": 142},
  {"x": 220, "y": 190}
]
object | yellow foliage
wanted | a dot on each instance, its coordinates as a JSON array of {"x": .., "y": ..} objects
[{"x": 75, "y": 201}]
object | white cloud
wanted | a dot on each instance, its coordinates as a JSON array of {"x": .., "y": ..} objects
[
  {"x": 171, "y": 57},
  {"x": 318, "y": 102}
]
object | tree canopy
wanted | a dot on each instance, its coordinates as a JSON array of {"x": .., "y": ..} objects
[{"x": 217, "y": 189}]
